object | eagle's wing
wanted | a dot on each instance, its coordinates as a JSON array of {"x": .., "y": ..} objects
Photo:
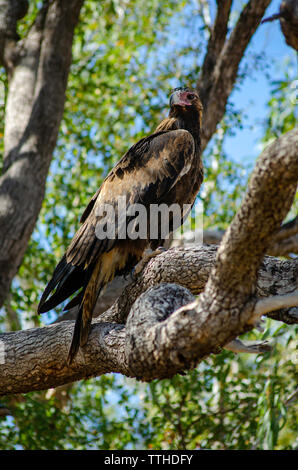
[{"x": 148, "y": 171}]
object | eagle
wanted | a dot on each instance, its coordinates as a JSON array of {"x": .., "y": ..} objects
[{"x": 164, "y": 167}]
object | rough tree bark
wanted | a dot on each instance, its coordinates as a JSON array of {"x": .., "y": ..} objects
[
  {"x": 37, "y": 68},
  {"x": 221, "y": 63},
  {"x": 148, "y": 336}
]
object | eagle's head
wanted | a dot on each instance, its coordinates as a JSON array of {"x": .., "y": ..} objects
[
  {"x": 185, "y": 97},
  {"x": 185, "y": 104}
]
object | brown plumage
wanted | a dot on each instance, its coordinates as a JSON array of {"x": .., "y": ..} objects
[{"x": 164, "y": 167}]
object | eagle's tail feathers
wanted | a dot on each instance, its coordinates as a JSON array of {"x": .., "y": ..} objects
[
  {"x": 75, "y": 343},
  {"x": 66, "y": 279},
  {"x": 66, "y": 287},
  {"x": 83, "y": 323}
]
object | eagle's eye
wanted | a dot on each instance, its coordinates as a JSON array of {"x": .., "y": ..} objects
[{"x": 190, "y": 96}]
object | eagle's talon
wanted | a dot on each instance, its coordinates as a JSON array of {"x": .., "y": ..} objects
[{"x": 145, "y": 260}]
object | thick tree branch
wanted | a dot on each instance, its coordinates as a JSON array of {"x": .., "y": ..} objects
[
  {"x": 34, "y": 359},
  {"x": 227, "y": 303},
  {"x": 217, "y": 79},
  {"x": 34, "y": 110},
  {"x": 283, "y": 243},
  {"x": 269, "y": 197},
  {"x": 289, "y": 22},
  {"x": 203, "y": 258},
  {"x": 191, "y": 267}
]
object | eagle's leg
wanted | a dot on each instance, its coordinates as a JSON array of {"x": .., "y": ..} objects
[{"x": 146, "y": 258}]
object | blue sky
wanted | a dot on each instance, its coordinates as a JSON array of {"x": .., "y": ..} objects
[{"x": 254, "y": 93}]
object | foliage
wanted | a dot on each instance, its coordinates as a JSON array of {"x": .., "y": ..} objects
[
  {"x": 88, "y": 419},
  {"x": 227, "y": 402},
  {"x": 126, "y": 56}
]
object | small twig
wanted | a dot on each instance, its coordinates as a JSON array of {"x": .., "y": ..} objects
[
  {"x": 274, "y": 17},
  {"x": 276, "y": 302},
  {"x": 287, "y": 230},
  {"x": 292, "y": 398},
  {"x": 251, "y": 347}
]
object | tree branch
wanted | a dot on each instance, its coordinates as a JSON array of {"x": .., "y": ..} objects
[
  {"x": 33, "y": 359},
  {"x": 287, "y": 230},
  {"x": 284, "y": 247},
  {"x": 277, "y": 302},
  {"x": 203, "y": 257},
  {"x": 227, "y": 303},
  {"x": 189, "y": 266},
  {"x": 289, "y": 22},
  {"x": 34, "y": 110},
  {"x": 221, "y": 64}
]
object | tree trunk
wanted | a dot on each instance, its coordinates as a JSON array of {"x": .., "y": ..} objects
[{"x": 37, "y": 67}]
